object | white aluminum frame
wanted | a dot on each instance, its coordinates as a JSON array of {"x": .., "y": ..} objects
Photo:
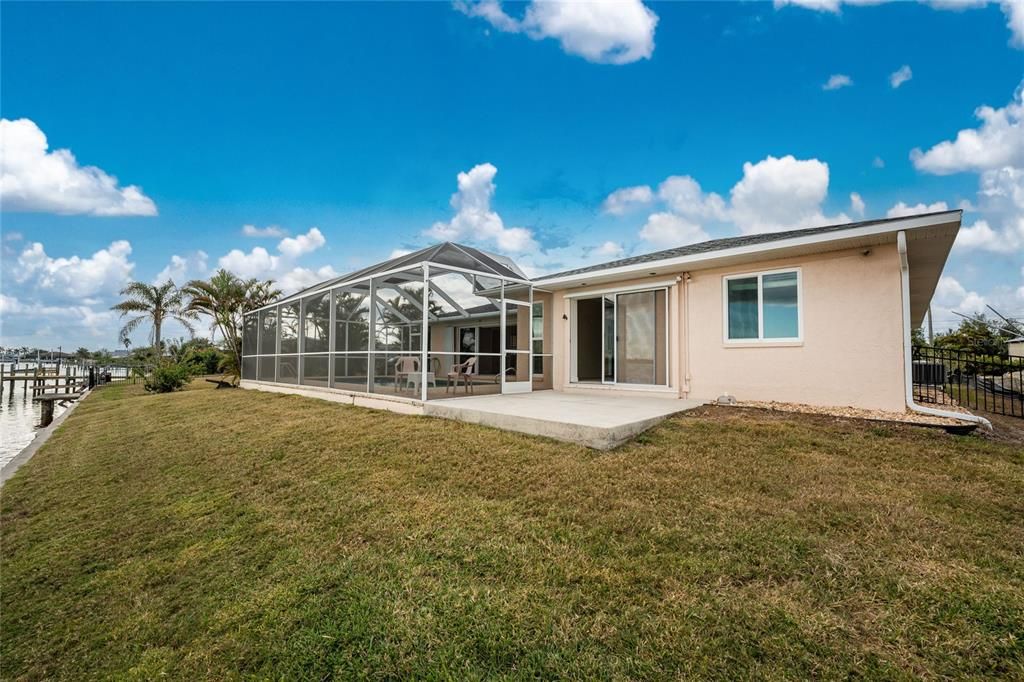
[
  {"x": 538, "y": 375},
  {"x": 516, "y": 386},
  {"x": 761, "y": 340},
  {"x": 388, "y": 273},
  {"x": 371, "y": 353}
]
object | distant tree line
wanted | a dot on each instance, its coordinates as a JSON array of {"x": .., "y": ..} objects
[{"x": 979, "y": 333}]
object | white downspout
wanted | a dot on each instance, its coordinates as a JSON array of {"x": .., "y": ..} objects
[
  {"x": 684, "y": 388},
  {"x": 908, "y": 376}
]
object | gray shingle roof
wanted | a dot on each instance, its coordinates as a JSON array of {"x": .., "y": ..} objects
[{"x": 722, "y": 244}]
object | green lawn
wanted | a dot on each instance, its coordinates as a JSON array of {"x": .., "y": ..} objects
[{"x": 212, "y": 534}]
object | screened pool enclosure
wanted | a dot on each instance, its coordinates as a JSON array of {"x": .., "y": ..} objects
[{"x": 445, "y": 321}]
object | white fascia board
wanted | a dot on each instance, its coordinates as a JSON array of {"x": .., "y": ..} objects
[{"x": 681, "y": 262}]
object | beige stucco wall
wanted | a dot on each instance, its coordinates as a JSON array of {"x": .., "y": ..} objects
[
  {"x": 851, "y": 352},
  {"x": 852, "y": 348}
]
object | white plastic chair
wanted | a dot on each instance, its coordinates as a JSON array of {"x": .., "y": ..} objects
[{"x": 465, "y": 371}]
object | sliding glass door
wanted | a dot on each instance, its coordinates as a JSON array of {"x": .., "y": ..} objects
[
  {"x": 626, "y": 335},
  {"x": 640, "y": 342}
]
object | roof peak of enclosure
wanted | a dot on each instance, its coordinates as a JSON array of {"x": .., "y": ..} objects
[{"x": 443, "y": 254}]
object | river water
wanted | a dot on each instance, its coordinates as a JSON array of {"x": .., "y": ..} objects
[{"x": 19, "y": 416}]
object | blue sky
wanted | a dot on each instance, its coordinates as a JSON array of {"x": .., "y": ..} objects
[{"x": 358, "y": 119}]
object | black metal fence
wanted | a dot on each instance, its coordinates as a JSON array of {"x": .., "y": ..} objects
[
  {"x": 98, "y": 376},
  {"x": 989, "y": 383}
]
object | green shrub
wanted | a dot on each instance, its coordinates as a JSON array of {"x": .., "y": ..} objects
[
  {"x": 168, "y": 377},
  {"x": 203, "y": 361}
]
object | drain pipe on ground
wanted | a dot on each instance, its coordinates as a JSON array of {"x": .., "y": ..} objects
[{"x": 908, "y": 368}]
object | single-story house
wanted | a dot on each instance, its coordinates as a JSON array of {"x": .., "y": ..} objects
[{"x": 820, "y": 316}]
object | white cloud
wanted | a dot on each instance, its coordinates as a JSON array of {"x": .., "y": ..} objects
[
  {"x": 774, "y": 194},
  {"x": 1003, "y": 186},
  {"x": 280, "y": 267},
  {"x": 901, "y": 209},
  {"x": 668, "y": 229},
  {"x": 602, "y": 31},
  {"x": 609, "y": 250},
  {"x": 293, "y": 247},
  {"x": 257, "y": 263},
  {"x": 63, "y": 301},
  {"x": 683, "y": 195},
  {"x": 261, "y": 263},
  {"x": 34, "y": 179},
  {"x": 949, "y": 290},
  {"x": 878, "y": 162},
  {"x": 297, "y": 279},
  {"x": 397, "y": 253},
  {"x": 1001, "y": 200},
  {"x": 262, "y": 232},
  {"x": 997, "y": 142},
  {"x": 995, "y": 150},
  {"x": 1013, "y": 9},
  {"x": 184, "y": 268},
  {"x": 900, "y": 76},
  {"x": 1001, "y": 205},
  {"x": 836, "y": 81},
  {"x": 105, "y": 272},
  {"x": 978, "y": 236},
  {"x": 950, "y": 295},
  {"x": 622, "y": 200},
  {"x": 475, "y": 221},
  {"x": 819, "y": 5},
  {"x": 34, "y": 323},
  {"x": 9, "y": 305},
  {"x": 13, "y": 236},
  {"x": 857, "y": 205},
  {"x": 781, "y": 194}
]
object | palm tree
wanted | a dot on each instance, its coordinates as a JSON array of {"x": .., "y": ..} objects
[
  {"x": 403, "y": 305},
  {"x": 259, "y": 294},
  {"x": 153, "y": 304},
  {"x": 226, "y": 298}
]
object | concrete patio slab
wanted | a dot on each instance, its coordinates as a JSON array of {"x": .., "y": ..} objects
[{"x": 597, "y": 421}]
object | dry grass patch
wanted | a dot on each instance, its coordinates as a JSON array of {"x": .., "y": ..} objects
[{"x": 219, "y": 534}]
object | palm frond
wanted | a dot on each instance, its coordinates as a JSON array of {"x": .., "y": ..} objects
[
  {"x": 140, "y": 290},
  {"x": 131, "y": 306},
  {"x": 186, "y": 323},
  {"x": 130, "y": 326}
]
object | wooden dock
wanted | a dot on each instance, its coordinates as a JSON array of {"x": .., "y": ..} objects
[
  {"x": 37, "y": 377},
  {"x": 49, "y": 386},
  {"x": 47, "y": 401}
]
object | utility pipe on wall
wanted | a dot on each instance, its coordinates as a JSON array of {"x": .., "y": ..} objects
[
  {"x": 684, "y": 386},
  {"x": 908, "y": 368}
]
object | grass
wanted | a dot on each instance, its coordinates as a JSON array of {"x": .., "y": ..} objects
[{"x": 225, "y": 534}]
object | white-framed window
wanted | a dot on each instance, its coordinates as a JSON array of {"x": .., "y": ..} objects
[{"x": 763, "y": 306}]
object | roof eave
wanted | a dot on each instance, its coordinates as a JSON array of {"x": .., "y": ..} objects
[{"x": 772, "y": 249}]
